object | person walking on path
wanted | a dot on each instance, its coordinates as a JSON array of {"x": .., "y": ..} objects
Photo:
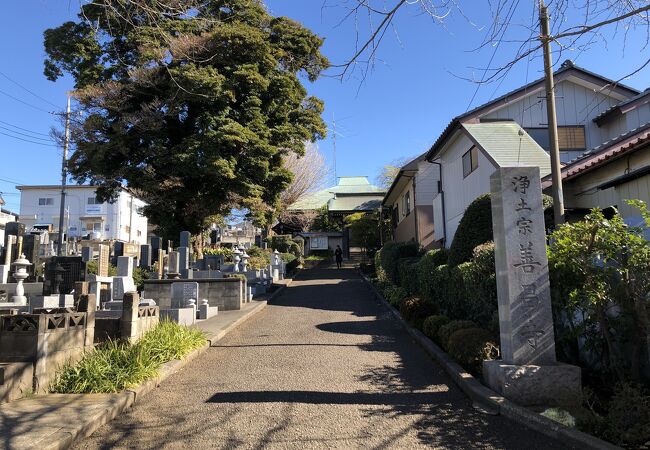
[{"x": 338, "y": 253}]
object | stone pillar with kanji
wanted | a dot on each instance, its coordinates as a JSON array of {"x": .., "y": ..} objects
[{"x": 528, "y": 372}]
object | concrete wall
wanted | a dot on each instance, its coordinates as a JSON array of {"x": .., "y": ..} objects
[{"x": 226, "y": 293}]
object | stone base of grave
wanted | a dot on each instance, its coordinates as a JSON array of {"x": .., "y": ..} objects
[
  {"x": 206, "y": 311},
  {"x": 182, "y": 316},
  {"x": 530, "y": 385},
  {"x": 114, "y": 305},
  {"x": 13, "y": 306},
  {"x": 52, "y": 301}
]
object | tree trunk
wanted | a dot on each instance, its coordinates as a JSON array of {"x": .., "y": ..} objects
[{"x": 198, "y": 246}]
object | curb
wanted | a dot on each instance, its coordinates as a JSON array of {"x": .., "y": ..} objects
[
  {"x": 127, "y": 398},
  {"x": 488, "y": 401}
]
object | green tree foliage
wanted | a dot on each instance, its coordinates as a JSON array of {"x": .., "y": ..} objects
[
  {"x": 364, "y": 229},
  {"x": 323, "y": 222},
  {"x": 192, "y": 104},
  {"x": 600, "y": 279}
]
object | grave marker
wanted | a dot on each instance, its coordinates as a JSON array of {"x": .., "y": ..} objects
[
  {"x": 528, "y": 372},
  {"x": 183, "y": 292},
  {"x": 103, "y": 262}
]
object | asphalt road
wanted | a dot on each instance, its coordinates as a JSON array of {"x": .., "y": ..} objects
[{"x": 324, "y": 366}]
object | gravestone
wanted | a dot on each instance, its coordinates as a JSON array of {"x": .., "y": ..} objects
[
  {"x": 528, "y": 372},
  {"x": 118, "y": 250},
  {"x": 173, "y": 265},
  {"x": 161, "y": 263},
  {"x": 184, "y": 259},
  {"x": 86, "y": 254},
  {"x": 103, "y": 262},
  {"x": 122, "y": 285},
  {"x": 124, "y": 266},
  {"x": 145, "y": 256},
  {"x": 156, "y": 244},
  {"x": 183, "y": 292},
  {"x": 213, "y": 262},
  {"x": 74, "y": 269},
  {"x": 185, "y": 239}
]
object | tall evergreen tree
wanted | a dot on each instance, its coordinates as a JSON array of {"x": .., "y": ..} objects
[{"x": 190, "y": 104}]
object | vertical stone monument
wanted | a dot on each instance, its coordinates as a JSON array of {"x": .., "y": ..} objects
[
  {"x": 145, "y": 256},
  {"x": 173, "y": 263},
  {"x": 103, "y": 263},
  {"x": 185, "y": 239},
  {"x": 6, "y": 267},
  {"x": 86, "y": 254},
  {"x": 528, "y": 372}
]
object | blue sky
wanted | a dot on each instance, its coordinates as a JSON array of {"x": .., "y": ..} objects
[{"x": 413, "y": 91}]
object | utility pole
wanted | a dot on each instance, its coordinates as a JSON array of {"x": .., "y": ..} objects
[
  {"x": 556, "y": 168},
  {"x": 64, "y": 176}
]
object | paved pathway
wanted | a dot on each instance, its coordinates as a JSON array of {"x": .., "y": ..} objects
[{"x": 324, "y": 366}]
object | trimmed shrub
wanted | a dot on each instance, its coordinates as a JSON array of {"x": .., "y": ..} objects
[
  {"x": 415, "y": 310},
  {"x": 475, "y": 228},
  {"x": 425, "y": 269},
  {"x": 432, "y": 325},
  {"x": 394, "y": 295},
  {"x": 408, "y": 274},
  {"x": 390, "y": 254},
  {"x": 284, "y": 243},
  {"x": 470, "y": 346},
  {"x": 379, "y": 270},
  {"x": 445, "y": 331},
  {"x": 628, "y": 416}
]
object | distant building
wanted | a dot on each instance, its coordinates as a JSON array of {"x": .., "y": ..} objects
[
  {"x": 410, "y": 202},
  {"x": 85, "y": 215},
  {"x": 5, "y": 216},
  {"x": 349, "y": 196}
]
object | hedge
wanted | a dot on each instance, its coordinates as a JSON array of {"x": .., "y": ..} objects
[
  {"x": 415, "y": 310},
  {"x": 432, "y": 325},
  {"x": 475, "y": 228},
  {"x": 389, "y": 255},
  {"x": 470, "y": 346},
  {"x": 407, "y": 271},
  {"x": 425, "y": 269},
  {"x": 445, "y": 331}
]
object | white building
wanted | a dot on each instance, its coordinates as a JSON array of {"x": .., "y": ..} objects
[{"x": 121, "y": 220}]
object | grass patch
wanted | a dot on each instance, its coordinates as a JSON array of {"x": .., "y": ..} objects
[{"x": 118, "y": 365}]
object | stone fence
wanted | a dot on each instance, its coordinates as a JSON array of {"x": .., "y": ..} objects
[
  {"x": 129, "y": 323},
  {"x": 34, "y": 346},
  {"x": 226, "y": 293}
]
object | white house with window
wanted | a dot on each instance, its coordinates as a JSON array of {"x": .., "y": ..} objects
[
  {"x": 582, "y": 97},
  {"x": 467, "y": 157},
  {"x": 84, "y": 214}
]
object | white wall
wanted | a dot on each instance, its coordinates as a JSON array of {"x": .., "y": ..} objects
[
  {"x": 112, "y": 216},
  {"x": 426, "y": 183},
  {"x": 459, "y": 191}
]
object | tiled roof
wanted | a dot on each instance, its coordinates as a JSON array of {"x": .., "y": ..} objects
[
  {"x": 356, "y": 187},
  {"x": 643, "y": 97}
]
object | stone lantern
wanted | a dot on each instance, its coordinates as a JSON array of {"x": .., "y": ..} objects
[
  {"x": 276, "y": 257},
  {"x": 235, "y": 259},
  {"x": 20, "y": 274},
  {"x": 244, "y": 261}
]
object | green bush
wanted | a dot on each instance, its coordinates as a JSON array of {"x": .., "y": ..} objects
[
  {"x": 379, "y": 270},
  {"x": 628, "y": 416},
  {"x": 475, "y": 228},
  {"x": 432, "y": 325},
  {"x": 445, "y": 331},
  {"x": 415, "y": 310},
  {"x": 139, "y": 275},
  {"x": 225, "y": 251},
  {"x": 470, "y": 346},
  {"x": 284, "y": 243},
  {"x": 118, "y": 365},
  {"x": 408, "y": 274},
  {"x": 394, "y": 294},
  {"x": 93, "y": 266},
  {"x": 390, "y": 254}
]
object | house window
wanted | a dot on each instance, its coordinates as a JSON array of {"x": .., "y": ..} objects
[
  {"x": 395, "y": 215},
  {"x": 47, "y": 201},
  {"x": 93, "y": 226},
  {"x": 470, "y": 161},
  {"x": 139, "y": 233},
  {"x": 407, "y": 203},
  {"x": 569, "y": 138},
  {"x": 127, "y": 228},
  {"x": 93, "y": 201}
]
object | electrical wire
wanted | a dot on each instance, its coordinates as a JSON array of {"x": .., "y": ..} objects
[
  {"x": 25, "y": 103},
  {"x": 25, "y": 134},
  {"x": 24, "y": 129},
  {"x": 28, "y": 90},
  {"x": 27, "y": 140}
]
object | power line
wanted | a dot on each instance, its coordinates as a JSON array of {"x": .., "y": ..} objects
[
  {"x": 25, "y": 103},
  {"x": 25, "y": 134},
  {"x": 27, "y": 140},
  {"x": 24, "y": 129},
  {"x": 28, "y": 90},
  {"x": 11, "y": 181}
]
